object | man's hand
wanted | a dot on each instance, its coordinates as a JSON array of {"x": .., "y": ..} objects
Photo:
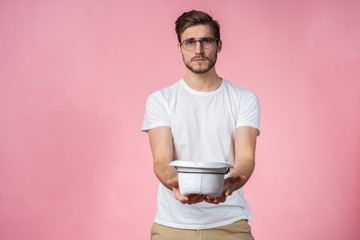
[
  {"x": 230, "y": 185},
  {"x": 188, "y": 199},
  {"x": 245, "y": 143}
]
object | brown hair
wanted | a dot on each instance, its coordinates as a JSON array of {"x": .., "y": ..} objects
[{"x": 192, "y": 18}]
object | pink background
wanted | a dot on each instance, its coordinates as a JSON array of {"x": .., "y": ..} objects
[{"x": 74, "y": 78}]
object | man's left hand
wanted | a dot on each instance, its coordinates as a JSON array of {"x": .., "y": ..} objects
[{"x": 230, "y": 185}]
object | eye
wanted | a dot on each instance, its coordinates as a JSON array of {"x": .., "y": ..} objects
[
  {"x": 207, "y": 40},
  {"x": 189, "y": 43}
]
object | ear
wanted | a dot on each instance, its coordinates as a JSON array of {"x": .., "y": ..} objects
[
  {"x": 179, "y": 49},
  {"x": 219, "y": 46}
]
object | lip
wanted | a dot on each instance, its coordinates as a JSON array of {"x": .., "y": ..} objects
[{"x": 199, "y": 60}]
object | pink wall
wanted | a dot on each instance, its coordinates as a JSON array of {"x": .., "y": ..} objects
[{"x": 74, "y": 78}]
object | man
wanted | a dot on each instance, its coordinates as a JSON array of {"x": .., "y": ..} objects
[{"x": 205, "y": 118}]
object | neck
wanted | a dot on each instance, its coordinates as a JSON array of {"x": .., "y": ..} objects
[{"x": 203, "y": 82}]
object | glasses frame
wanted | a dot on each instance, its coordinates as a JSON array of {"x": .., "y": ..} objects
[{"x": 200, "y": 42}]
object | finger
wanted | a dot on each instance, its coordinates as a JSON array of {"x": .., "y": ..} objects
[
  {"x": 215, "y": 200},
  {"x": 196, "y": 197},
  {"x": 220, "y": 200},
  {"x": 183, "y": 199},
  {"x": 229, "y": 191},
  {"x": 201, "y": 198},
  {"x": 209, "y": 199}
]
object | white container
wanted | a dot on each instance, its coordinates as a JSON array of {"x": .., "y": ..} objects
[{"x": 201, "y": 177}]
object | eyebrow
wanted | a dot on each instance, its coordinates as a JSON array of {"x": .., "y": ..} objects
[{"x": 190, "y": 39}]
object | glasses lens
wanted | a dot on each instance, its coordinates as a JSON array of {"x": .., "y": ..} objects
[
  {"x": 206, "y": 43},
  {"x": 189, "y": 45}
]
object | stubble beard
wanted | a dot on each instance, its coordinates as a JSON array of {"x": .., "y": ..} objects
[{"x": 211, "y": 64}]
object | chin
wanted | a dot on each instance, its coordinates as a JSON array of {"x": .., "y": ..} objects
[
  {"x": 201, "y": 69},
  {"x": 198, "y": 69}
]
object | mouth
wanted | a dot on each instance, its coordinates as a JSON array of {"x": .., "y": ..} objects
[{"x": 199, "y": 59}]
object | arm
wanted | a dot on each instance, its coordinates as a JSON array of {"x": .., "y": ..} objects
[
  {"x": 162, "y": 149},
  {"x": 245, "y": 144}
]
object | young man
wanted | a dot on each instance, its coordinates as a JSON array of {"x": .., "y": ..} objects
[{"x": 205, "y": 118}]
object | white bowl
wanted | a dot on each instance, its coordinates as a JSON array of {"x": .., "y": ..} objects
[{"x": 201, "y": 177}]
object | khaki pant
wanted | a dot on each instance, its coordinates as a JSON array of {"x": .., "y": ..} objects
[{"x": 239, "y": 230}]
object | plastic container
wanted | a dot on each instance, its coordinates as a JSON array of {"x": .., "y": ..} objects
[{"x": 199, "y": 177}]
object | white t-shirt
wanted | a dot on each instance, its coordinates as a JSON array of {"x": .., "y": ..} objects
[{"x": 203, "y": 128}]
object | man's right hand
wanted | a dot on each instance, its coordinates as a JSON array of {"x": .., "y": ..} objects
[{"x": 188, "y": 199}]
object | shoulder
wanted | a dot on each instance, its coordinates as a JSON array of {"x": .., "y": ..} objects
[
  {"x": 239, "y": 92},
  {"x": 165, "y": 92},
  {"x": 163, "y": 96}
]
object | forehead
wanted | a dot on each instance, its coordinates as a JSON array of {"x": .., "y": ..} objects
[{"x": 197, "y": 32}]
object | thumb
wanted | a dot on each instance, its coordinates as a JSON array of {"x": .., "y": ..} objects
[
  {"x": 238, "y": 179},
  {"x": 172, "y": 183}
]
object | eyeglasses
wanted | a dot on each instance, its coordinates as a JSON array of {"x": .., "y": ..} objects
[{"x": 206, "y": 43}]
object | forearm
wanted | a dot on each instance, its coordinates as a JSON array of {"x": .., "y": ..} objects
[
  {"x": 164, "y": 172},
  {"x": 245, "y": 145},
  {"x": 162, "y": 149},
  {"x": 243, "y": 167}
]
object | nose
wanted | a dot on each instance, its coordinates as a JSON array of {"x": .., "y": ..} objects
[{"x": 198, "y": 47}]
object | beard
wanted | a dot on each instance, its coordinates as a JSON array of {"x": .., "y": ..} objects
[{"x": 201, "y": 69}]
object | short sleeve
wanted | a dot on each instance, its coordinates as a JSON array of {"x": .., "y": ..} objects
[
  {"x": 156, "y": 112},
  {"x": 249, "y": 112}
]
